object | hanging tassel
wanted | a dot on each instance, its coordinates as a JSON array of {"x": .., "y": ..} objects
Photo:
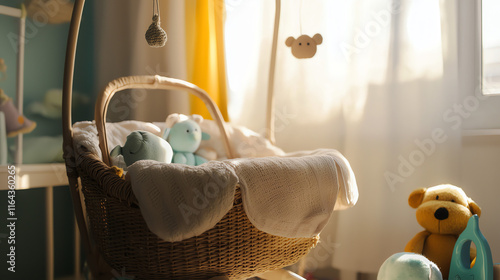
[{"x": 155, "y": 35}]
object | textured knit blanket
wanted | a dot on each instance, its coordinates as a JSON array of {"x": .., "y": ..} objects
[{"x": 290, "y": 196}]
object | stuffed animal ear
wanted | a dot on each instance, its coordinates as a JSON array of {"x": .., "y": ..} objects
[
  {"x": 318, "y": 38},
  {"x": 289, "y": 41},
  {"x": 166, "y": 133},
  {"x": 116, "y": 151},
  {"x": 172, "y": 119},
  {"x": 416, "y": 197},
  {"x": 474, "y": 208},
  {"x": 205, "y": 136},
  {"x": 197, "y": 118}
]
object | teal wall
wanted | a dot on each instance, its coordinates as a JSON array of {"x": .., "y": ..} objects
[{"x": 44, "y": 63}]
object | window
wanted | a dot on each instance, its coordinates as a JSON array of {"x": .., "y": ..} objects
[{"x": 490, "y": 33}]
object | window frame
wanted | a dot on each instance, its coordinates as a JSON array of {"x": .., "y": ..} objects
[{"x": 486, "y": 91}]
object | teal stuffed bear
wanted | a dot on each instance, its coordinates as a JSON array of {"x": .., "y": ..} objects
[
  {"x": 185, "y": 138},
  {"x": 144, "y": 145},
  {"x": 409, "y": 266}
]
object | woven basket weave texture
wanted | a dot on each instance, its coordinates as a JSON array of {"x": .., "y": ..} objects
[{"x": 234, "y": 247}]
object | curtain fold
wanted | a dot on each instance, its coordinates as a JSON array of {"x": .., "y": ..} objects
[
  {"x": 194, "y": 51},
  {"x": 206, "y": 60},
  {"x": 378, "y": 90},
  {"x": 404, "y": 140}
]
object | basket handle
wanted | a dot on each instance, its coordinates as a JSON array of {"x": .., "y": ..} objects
[{"x": 152, "y": 82}]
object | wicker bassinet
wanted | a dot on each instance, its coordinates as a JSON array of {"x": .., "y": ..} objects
[
  {"x": 115, "y": 236},
  {"x": 234, "y": 247}
]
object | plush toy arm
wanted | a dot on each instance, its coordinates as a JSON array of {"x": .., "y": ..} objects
[
  {"x": 205, "y": 136},
  {"x": 416, "y": 244},
  {"x": 199, "y": 160}
]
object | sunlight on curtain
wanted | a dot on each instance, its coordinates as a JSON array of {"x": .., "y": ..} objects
[
  {"x": 423, "y": 32},
  {"x": 394, "y": 147},
  {"x": 248, "y": 40},
  {"x": 365, "y": 51},
  {"x": 375, "y": 90}
]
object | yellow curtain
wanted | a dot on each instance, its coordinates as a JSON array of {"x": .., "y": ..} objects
[{"x": 205, "y": 52}]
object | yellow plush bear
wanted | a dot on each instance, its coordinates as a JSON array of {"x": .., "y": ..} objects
[{"x": 443, "y": 211}]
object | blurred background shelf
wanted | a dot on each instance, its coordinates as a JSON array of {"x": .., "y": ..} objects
[
  {"x": 47, "y": 176},
  {"x": 30, "y": 176}
]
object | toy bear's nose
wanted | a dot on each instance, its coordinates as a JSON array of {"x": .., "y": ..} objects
[{"x": 441, "y": 213}]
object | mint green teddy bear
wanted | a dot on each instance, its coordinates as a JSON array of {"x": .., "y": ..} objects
[
  {"x": 185, "y": 137},
  {"x": 144, "y": 145}
]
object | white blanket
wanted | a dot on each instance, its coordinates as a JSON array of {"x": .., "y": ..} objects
[
  {"x": 284, "y": 196},
  {"x": 179, "y": 201}
]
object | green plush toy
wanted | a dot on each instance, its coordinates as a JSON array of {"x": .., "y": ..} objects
[
  {"x": 144, "y": 145},
  {"x": 185, "y": 138}
]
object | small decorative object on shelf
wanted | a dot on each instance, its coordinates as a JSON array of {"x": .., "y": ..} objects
[
  {"x": 3, "y": 140},
  {"x": 50, "y": 11},
  {"x": 15, "y": 123},
  {"x": 3, "y": 70}
]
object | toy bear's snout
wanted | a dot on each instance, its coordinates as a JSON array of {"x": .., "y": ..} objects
[
  {"x": 441, "y": 214},
  {"x": 444, "y": 217}
]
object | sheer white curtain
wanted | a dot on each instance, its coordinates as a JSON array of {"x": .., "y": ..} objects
[{"x": 380, "y": 89}]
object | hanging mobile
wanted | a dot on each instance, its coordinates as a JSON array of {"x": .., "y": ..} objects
[
  {"x": 304, "y": 46},
  {"x": 155, "y": 35}
]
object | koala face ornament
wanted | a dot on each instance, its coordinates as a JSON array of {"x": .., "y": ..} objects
[{"x": 304, "y": 46}]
